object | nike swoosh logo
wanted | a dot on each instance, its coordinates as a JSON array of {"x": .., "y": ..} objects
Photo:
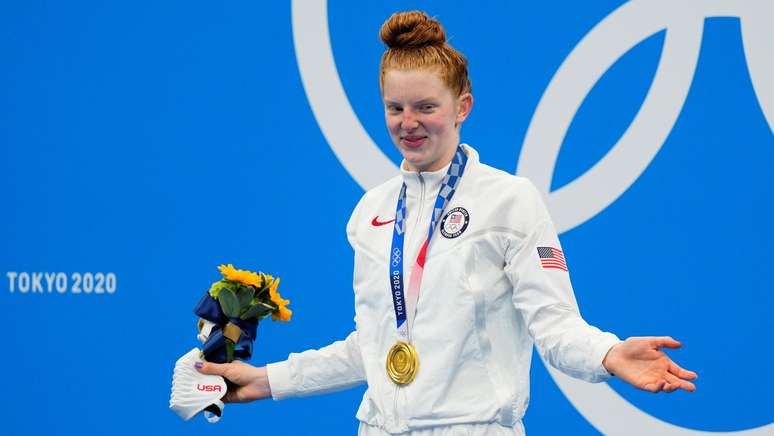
[{"x": 376, "y": 223}]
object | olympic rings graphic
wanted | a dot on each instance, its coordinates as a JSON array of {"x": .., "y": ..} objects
[
  {"x": 593, "y": 191},
  {"x": 396, "y": 255}
]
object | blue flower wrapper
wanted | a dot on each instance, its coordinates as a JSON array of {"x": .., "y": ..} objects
[{"x": 214, "y": 348}]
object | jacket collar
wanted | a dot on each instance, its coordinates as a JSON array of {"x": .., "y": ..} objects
[{"x": 432, "y": 179}]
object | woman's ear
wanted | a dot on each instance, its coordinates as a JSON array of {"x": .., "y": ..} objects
[{"x": 464, "y": 106}]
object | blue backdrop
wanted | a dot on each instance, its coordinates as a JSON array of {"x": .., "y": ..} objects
[{"x": 143, "y": 144}]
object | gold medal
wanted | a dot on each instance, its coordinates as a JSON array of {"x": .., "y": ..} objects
[{"x": 402, "y": 363}]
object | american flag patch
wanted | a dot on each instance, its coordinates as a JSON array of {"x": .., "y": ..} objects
[{"x": 551, "y": 257}]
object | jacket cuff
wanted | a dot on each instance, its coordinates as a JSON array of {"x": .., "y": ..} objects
[
  {"x": 600, "y": 351},
  {"x": 280, "y": 382}
]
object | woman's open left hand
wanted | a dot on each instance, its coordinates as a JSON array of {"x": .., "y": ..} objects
[{"x": 640, "y": 362}]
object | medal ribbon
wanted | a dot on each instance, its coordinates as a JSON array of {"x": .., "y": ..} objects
[{"x": 405, "y": 300}]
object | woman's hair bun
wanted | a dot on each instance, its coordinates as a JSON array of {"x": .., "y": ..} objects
[{"x": 412, "y": 29}]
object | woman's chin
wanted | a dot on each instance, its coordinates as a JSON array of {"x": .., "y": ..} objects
[
  {"x": 415, "y": 161},
  {"x": 423, "y": 166},
  {"x": 413, "y": 158}
]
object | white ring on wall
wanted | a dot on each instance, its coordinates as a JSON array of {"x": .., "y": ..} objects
[
  {"x": 350, "y": 142},
  {"x": 592, "y": 192},
  {"x": 589, "y": 194}
]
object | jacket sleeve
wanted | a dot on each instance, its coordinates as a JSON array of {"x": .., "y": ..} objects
[
  {"x": 544, "y": 296},
  {"x": 334, "y": 367}
]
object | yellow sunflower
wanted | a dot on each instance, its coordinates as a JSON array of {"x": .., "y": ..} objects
[
  {"x": 283, "y": 313},
  {"x": 239, "y": 275}
]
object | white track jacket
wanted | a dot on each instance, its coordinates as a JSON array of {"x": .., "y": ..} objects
[{"x": 486, "y": 296}]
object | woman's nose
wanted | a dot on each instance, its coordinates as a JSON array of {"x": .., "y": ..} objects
[{"x": 409, "y": 120}]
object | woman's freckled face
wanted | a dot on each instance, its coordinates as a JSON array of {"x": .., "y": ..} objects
[{"x": 422, "y": 117}]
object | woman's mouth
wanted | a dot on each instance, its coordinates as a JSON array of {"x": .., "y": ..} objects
[{"x": 414, "y": 141}]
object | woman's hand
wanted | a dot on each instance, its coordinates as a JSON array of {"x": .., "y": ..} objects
[
  {"x": 639, "y": 362},
  {"x": 251, "y": 383}
]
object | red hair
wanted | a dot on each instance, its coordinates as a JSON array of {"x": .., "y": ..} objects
[{"x": 417, "y": 42}]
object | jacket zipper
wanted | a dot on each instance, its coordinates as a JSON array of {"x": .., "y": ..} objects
[{"x": 421, "y": 205}]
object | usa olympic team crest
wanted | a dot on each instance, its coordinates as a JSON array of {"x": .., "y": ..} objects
[{"x": 455, "y": 222}]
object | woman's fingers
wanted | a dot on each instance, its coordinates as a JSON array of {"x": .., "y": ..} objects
[
  {"x": 675, "y": 383},
  {"x": 212, "y": 368},
  {"x": 666, "y": 342},
  {"x": 682, "y": 373},
  {"x": 655, "y": 386},
  {"x": 669, "y": 388}
]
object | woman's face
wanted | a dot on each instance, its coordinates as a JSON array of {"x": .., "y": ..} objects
[{"x": 423, "y": 117}]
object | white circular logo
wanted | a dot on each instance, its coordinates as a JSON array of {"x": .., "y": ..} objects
[
  {"x": 593, "y": 191},
  {"x": 454, "y": 222}
]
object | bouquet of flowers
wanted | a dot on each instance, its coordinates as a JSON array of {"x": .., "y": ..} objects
[
  {"x": 229, "y": 315},
  {"x": 231, "y": 310}
]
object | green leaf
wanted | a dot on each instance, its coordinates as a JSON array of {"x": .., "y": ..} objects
[
  {"x": 229, "y": 351},
  {"x": 257, "y": 311},
  {"x": 215, "y": 289},
  {"x": 250, "y": 313},
  {"x": 244, "y": 296},
  {"x": 228, "y": 302}
]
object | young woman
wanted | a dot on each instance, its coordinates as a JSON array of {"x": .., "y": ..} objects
[{"x": 458, "y": 271}]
